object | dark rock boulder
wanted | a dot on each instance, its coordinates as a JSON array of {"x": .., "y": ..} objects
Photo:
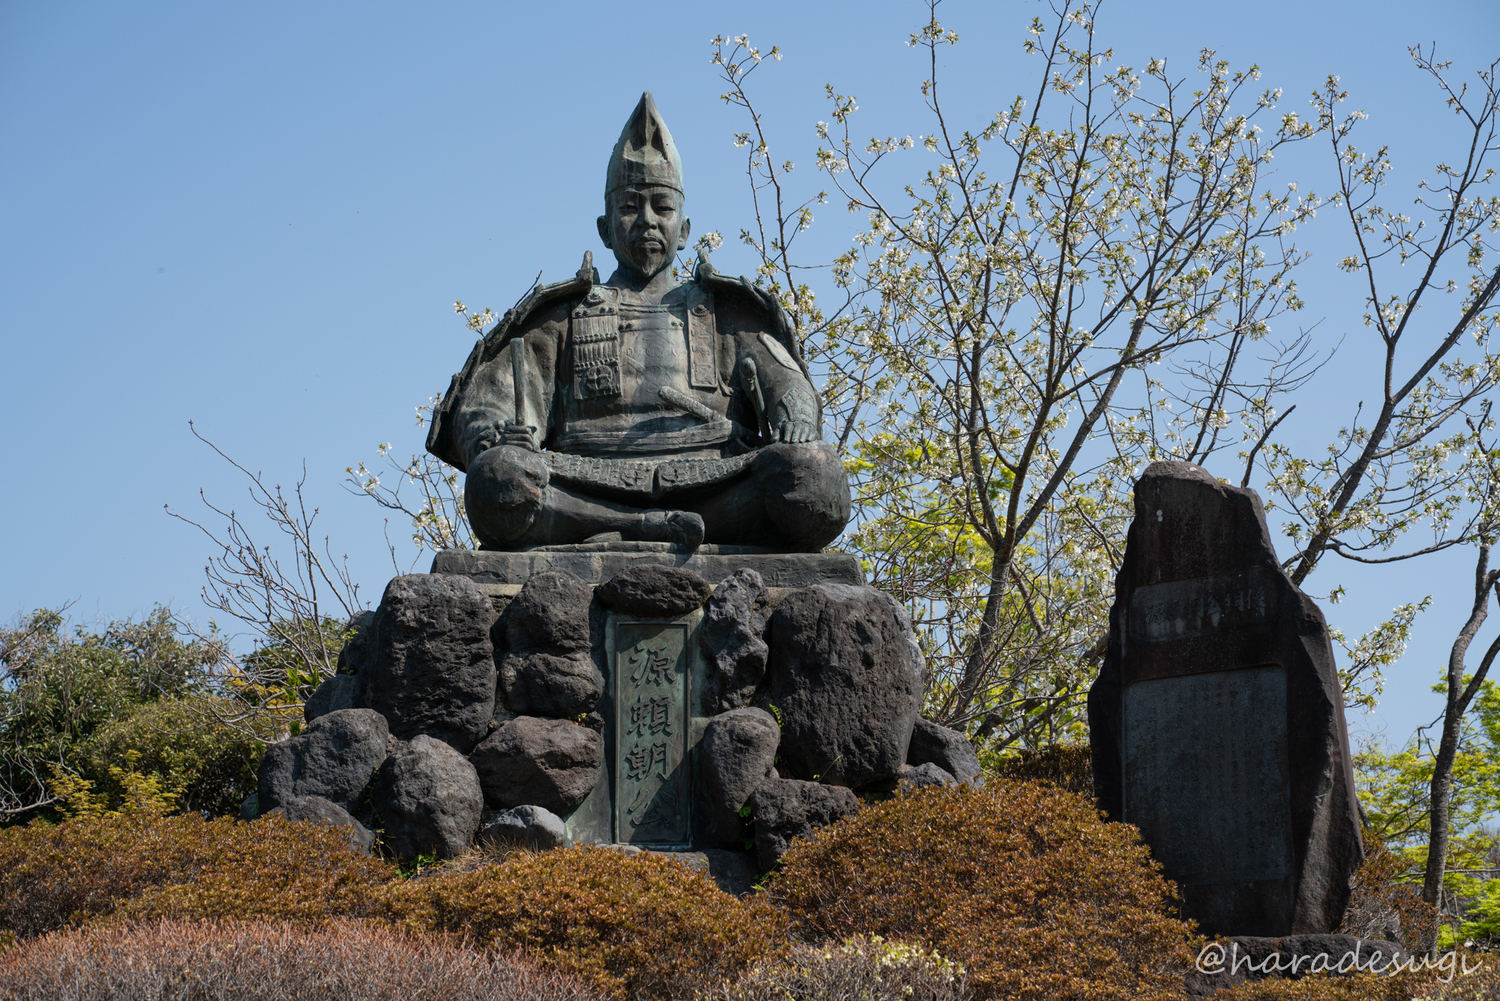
[
  {"x": 356, "y": 649},
  {"x": 786, "y": 809},
  {"x": 428, "y": 799},
  {"x": 737, "y": 754},
  {"x": 530, "y": 827},
  {"x": 341, "y": 691},
  {"x": 655, "y": 591},
  {"x": 925, "y": 776},
  {"x": 431, "y": 667},
  {"x": 545, "y": 684},
  {"x": 551, "y": 612},
  {"x": 333, "y": 758},
  {"x": 732, "y": 636},
  {"x": 846, "y": 673},
  {"x": 317, "y": 810},
  {"x": 948, "y": 749},
  {"x": 546, "y": 658},
  {"x": 550, "y": 763}
]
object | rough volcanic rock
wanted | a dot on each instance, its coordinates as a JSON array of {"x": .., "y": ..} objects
[
  {"x": 732, "y": 635},
  {"x": 547, "y": 665},
  {"x": 551, "y": 612},
  {"x": 341, "y": 691},
  {"x": 356, "y": 649},
  {"x": 428, "y": 798},
  {"x": 550, "y": 763},
  {"x": 317, "y": 810},
  {"x": 948, "y": 749},
  {"x": 333, "y": 758},
  {"x": 846, "y": 674},
  {"x": 544, "y": 684},
  {"x": 737, "y": 754},
  {"x": 431, "y": 667},
  {"x": 530, "y": 827},
  {"x": 1217, "y": 720},
  {"x": 655, "y": 591},
  {"x": 925, "y": 775},
  {"x": 786, "y": 809}
]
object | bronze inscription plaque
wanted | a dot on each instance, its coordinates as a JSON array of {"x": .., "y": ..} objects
[
  {"x": 652, "y": 777},
  {"x": 1206, "y": 776}
]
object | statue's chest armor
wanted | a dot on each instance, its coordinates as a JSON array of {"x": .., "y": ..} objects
[
  {"x": 653, "y": 354},
  {"x": 624, "y": 352}
]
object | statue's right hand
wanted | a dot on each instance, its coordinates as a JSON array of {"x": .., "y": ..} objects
[{"x": 521, "y": 436}]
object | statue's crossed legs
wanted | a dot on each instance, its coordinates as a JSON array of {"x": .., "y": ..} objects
[{"x": 792, "y": 497}]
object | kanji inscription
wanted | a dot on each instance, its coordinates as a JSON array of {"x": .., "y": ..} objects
[
  {"x": 651, "y": 699},
  {"x": 1206, "y": 773}
]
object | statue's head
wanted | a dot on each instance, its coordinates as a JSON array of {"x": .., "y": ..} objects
[{"x": 643, "y": 221}]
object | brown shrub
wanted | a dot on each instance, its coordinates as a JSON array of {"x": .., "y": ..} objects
[
  {"x": 53, "y": 876},
  {"x": 1360, "y": 987},
  {"x": 861, "y": 969},
  {"x": 1020, "y": 881},
  {"x": 1382, "y": 907},
  {"x": 638, "y": 924},
  {"x": 1070, "y": 766},
  {"x": 188, "y": 961}
]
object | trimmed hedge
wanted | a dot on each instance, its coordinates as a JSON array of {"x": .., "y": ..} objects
[
  {"x": 638, "y": 924},
  {"x": 192, "y": 960},
  {"x": 144, "y": 866},
  {"x": 1022, "y": 882}
]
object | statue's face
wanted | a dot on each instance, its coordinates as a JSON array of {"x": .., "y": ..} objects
[{"x": 645, "y": 227}]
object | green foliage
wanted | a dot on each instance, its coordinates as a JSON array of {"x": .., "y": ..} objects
[
  {"x": 1021, "y": 882},
  {"x": 74, "y": 702},
  {"x": 642, "y": 925}
]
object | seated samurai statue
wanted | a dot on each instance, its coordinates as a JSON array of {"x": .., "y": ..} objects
[{"x": 635, "y": 410}]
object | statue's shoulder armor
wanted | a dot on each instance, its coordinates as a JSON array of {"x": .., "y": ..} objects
[
  {"x": 442, "y": 435},
  {"x": 744, "y": 293}
]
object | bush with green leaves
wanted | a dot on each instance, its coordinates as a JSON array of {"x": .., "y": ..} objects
[{"x": 81, "y": 706}]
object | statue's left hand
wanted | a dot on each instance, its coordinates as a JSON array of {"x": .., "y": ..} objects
[{"x": 796, "y": 432}]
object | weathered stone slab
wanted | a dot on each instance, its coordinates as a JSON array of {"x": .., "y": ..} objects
[
  {"x": 1219, "y": 742},
  {"x": 1217, "y": 720},
  {"x": 653, "y": 779},
  {"x": 598, "y": 563}
]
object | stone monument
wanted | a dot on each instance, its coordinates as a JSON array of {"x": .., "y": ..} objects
[
  {"x": 1217, "y": 720},
  {"x": 648, "y": 648}
]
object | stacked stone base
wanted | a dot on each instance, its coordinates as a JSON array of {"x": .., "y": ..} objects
[{"x": 627, "y": 694}]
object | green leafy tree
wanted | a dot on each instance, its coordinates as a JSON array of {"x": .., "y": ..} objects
[{"x": 96, "y": 707}]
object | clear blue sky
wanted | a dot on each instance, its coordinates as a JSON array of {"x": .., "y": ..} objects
[{"x": 257, "y": 217}]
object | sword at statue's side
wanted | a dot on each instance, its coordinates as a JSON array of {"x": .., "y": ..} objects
[
  {"x": 518, "y": 377},
  {"x": 751, "y": 379}
]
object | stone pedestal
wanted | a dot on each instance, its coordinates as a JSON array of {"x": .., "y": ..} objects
[
  {"x": 659, "y": 692},
  {"x": 1217, "y": 721},
  {"x": 596, "y": 564}
]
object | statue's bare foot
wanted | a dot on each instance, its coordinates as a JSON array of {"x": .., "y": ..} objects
[{"x": 681, "y": 528}]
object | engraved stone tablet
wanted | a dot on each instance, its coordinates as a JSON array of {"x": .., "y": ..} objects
[
  {"x": 1181, "y": 609},
  {"x": 1216, "y": 723},
  {"x": 652, "y": 777},
  {"x": 1206, "y": 777}
]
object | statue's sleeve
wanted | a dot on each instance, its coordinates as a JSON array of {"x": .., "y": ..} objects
[
  {"x": 788, "y": 393},
  {"x": 489, "y": 398}
]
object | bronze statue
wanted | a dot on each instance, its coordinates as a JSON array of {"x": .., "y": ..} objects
[{"x": 647, "y": 412}]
